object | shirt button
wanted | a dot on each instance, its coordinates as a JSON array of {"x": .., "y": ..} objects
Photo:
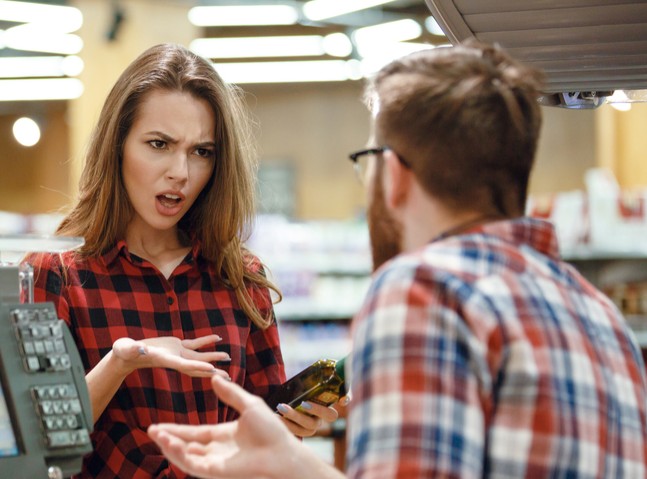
[{"x": 170, "y": 300}]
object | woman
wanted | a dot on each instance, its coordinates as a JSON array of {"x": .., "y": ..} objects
[{"x": 163, "y": 288}]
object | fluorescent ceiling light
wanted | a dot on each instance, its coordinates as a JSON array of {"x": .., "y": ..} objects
[
  {"x": 337, "y": 45},
  {"x": 62, "y": 18},
  {"x": 40, "y": 89},
  {"x": 243, "y": 15},
  {"x": 50, "y": 66},
  {"x": 289, "y": 72},
  {"x": 31, "y": 37},
  {"x": 321, "y": 9},
  {"x": 274, "y": 46},
  {"x": 397, "y": 31}
]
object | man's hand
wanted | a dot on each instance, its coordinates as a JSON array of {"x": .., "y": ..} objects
[{"x": 258, "y": 444}]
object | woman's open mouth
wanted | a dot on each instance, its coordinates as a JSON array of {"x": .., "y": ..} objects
[
  {"x": 168, "y": 200},
  {"x": 169, "y": 204}
]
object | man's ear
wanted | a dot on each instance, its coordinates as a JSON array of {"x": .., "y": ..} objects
[{"x": 398, "y": 180}]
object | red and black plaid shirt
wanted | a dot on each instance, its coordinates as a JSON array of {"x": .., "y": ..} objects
[{"x": 121, "y": 295}]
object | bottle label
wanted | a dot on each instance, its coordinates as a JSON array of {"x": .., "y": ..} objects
[{"x": 327, "y": 397}]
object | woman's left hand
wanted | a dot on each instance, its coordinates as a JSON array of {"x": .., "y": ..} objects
[{"x": 306, "y": 420}]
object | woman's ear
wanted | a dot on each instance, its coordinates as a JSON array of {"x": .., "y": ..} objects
[{"x": 397, "y": 182}]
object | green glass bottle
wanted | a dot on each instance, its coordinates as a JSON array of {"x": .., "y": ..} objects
[{"x": 323, "y": 383}]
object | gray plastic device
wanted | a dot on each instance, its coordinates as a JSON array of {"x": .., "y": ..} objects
[{"x": 45, "y": 411}]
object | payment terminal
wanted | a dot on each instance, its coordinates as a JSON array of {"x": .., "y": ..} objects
[{"x": 45, "y": 411}]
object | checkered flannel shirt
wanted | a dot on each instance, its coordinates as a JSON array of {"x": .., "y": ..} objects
[
  {"x": 121, "y": 295},
  {"x": 484, "y": 355}
]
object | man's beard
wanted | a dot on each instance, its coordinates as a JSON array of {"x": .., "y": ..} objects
[{"x": 384, "y": 230}]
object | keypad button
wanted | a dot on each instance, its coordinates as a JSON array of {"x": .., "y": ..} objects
[
  {"x": 60, "y": 439},
  {"x": 82, "y": 436},
  {"x": 39, "y": 346},
  {"x": 56, "y": 330},
  {"x": 33, "y": 364},
  {"x": 75, "y": 406},
  {"x": 28, "y": 347},
  {"x": 64, "y": 361},
  {"x": 59, "y": 346},
  {"x": 46, "y": 408}
]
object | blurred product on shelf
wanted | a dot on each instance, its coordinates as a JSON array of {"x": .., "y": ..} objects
[
  {"x": 322, "y": 267},
  {"x": 604, "y": 220},
  {"x": 304, "y": 342},
  {"x": 631, "y": 298}
]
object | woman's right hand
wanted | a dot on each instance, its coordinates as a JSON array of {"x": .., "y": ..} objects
[{"x": 170, "y": 352}]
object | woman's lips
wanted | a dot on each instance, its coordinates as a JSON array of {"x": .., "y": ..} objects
[{"x": 168, "y": 204}]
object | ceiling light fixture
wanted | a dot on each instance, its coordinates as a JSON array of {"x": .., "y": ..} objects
[
  {"x": 48, "y": 66},
  {"x": 40, "y": 89},
  {"x": 289, "y": 72},
  {"x": 336, "y": 44},
  {"x": 32, "y": 37},
  {"x": 26, "y": 131},
  {"x": 233, "y": 15},
  {"x": 58, "y": 17},
  {"x": 389, "y": 32},
  {"x": 322, "y": 9}
]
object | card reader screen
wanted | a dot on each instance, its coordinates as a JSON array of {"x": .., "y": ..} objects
[{"x": 8, "y": 445}]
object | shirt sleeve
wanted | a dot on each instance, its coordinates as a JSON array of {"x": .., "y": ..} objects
[
  {"x": 415, "y": 409},
  {"x": 264, "y": 363}
]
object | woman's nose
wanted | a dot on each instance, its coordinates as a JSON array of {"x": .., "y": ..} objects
[{"x": 179, "y": 168}]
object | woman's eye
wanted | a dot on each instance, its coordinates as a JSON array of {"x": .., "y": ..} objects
[
  {"x": 157, "y": 144},
  {"x": 205, "y": 152}
]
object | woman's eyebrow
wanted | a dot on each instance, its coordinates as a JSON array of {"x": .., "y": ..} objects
[{"x": 162, "y": 135}]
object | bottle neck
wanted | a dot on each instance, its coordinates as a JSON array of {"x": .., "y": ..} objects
[{"x": 340, "y": 368}]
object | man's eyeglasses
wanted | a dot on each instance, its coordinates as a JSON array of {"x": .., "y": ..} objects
[{"x": 360, "y": 160}]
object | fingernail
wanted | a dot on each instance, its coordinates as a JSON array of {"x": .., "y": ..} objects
[
  {"x": 282, "y": 408},
  {"x": 218, "y": 338},
  {"x": 345, "y": 401},
  {"x": 227, "y": 359},
  {"x": 306, "y": 405},
  {"x": 142, "y": 350}
]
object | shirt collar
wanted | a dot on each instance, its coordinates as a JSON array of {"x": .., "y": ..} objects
[
  {"x": 536, "y": 233},
  {"x": 121, "y": 249}
]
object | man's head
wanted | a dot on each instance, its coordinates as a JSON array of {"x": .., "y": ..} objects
[{"x": 466, "y": 119}]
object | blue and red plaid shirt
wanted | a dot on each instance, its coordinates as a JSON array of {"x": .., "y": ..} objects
[
  {"x": 121, "y": 295},
  {"x": 485, "y": 355}
]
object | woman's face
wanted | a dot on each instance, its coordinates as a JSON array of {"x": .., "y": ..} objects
[{"x": 168, "y": 158}]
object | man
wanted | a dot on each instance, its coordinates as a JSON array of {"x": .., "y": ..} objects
[{"x": 478, "y": 352}]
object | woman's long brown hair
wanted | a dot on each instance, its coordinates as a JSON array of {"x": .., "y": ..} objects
[{"x": 221, "y": 217}]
